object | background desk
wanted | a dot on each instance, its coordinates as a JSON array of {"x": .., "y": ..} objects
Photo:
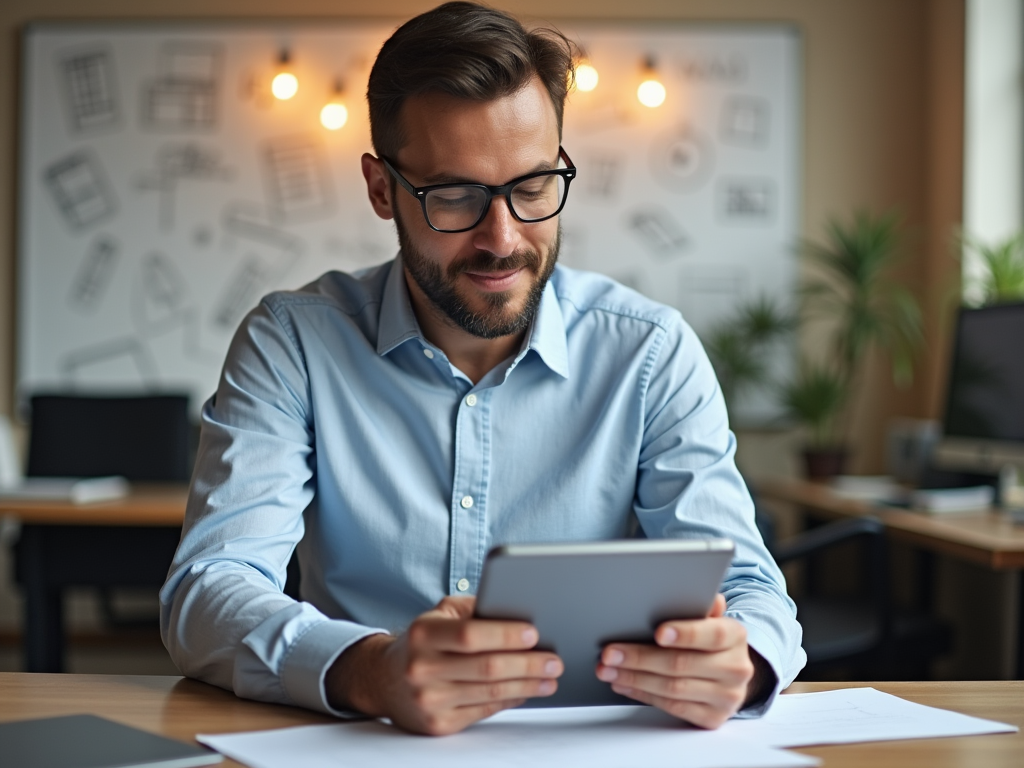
[
  {"x": 127, "y": 542},
  {"x": 180, "y": 708},
  {"x": 987, "y": 538}
]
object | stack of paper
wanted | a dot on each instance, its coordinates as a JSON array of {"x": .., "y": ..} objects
[
  {"x": 77, "y": 490},
  {"x": 607, "y": 737},
  {"x": 953, "y": 499}
]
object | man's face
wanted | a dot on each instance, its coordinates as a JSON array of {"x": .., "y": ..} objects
[{"x": 487, "y": 281}]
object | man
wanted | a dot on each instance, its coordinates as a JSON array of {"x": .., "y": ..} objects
[{"x": 397, "y": 423}]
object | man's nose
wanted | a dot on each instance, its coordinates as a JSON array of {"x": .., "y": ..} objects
[{"x": 498, "y": 233}]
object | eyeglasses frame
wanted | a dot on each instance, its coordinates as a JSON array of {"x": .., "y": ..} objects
[{"x": 504, "y": 190}]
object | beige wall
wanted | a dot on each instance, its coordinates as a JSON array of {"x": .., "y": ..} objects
[{"x": 882, "y": 127}]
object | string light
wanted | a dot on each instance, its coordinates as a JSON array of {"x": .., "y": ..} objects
[
  {"x": 586, "y": 76},
  {"x": 285, "y": 84},
  {"x": 651, "y": 92},
  {"x": 334, "y": 115}
]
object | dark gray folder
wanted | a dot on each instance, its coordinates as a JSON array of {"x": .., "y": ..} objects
[{"x": 87, "y": 741}]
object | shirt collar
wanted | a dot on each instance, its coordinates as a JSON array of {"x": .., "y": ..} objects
[
  {"x": 398, "y": 323},
  {"x": 397, "y": 320}
]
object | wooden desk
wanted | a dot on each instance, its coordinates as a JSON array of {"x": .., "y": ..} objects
[
  {"x": 985, "y": 538},
  {"x": 180, "y": 708},
  {"x": 126, "y": 542}
]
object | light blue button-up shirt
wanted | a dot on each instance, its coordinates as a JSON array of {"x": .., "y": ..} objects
[{"x": 338, "y": 428}]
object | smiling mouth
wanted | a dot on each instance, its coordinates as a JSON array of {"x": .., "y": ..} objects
[{"x": 494, "y": 281}]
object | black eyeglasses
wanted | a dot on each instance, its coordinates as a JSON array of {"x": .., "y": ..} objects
[{"x": 460, "y": 207}]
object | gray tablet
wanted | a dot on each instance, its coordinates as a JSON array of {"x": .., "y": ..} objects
[{"x": 583, "y": 596}]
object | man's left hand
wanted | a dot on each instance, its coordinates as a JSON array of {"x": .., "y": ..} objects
[{"x": 700, "y": 670}]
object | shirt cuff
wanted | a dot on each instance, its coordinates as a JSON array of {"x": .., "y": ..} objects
[
  {"x": 761, "y": 643},
  {"x": 304, "y": 670}
]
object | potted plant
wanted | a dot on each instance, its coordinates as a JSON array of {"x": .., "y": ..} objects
[
  {"x": 1002, "y": 270},
  {"x": 853, "y": 288}
]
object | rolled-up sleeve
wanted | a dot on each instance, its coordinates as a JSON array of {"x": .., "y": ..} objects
[
  {"x": 688, "y": 486},
  {"x": 224, "y": 618}
]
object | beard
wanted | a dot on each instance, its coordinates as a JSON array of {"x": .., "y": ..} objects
[{"x": 498, "y": 319}]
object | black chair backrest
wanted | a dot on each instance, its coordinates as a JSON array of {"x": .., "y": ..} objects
[{"x": 145, "y": 439}]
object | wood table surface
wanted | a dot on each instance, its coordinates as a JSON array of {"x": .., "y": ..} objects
[
  {"x": 146, "y": 504},
  {"x": 988, "y": 538},
  {"x": 180, "y": 708}
]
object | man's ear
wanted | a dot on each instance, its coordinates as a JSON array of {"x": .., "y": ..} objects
[{"x": 378, "y": 186}]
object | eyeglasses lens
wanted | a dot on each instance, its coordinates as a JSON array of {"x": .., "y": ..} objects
[{"x": 457, "y": 208}]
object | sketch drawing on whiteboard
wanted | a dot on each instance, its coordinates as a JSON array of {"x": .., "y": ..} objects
[
  {"x": 603, "y": 174},
  {"x": 659, "y": 232},
  {"x": 243, "y": 292},
  {"x": 682, "y": 159},
  {"x": 161, "y": 300},
  {"x": 710, "y": 292},
  {"x": 297, "y": 181},
  {"x": 121, "y": 362},
  {"x": 94, "y": 275},
  {"x": 746, "y": 201},
  {"x": 745, "y": 121},
  {"x": 80, "y": 189},
  {"x": 90, "y": 88},
  {"x": 183, "y": 97},
  {"x": 176, "y": 163},
  {"x": 245, "y": 220},
  {"x": 586, "y": 121}
]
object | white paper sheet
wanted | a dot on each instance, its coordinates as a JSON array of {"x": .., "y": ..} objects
[
  {"x": 610, "y": 737},
  {"x": 853, "y": 715},
  {"x": 598, "y": 737}
]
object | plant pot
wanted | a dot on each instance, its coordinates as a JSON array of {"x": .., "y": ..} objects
[{"x": 824, "y": 463}]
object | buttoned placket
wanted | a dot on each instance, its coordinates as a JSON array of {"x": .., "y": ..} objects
[{"x": 469, "y": 489}]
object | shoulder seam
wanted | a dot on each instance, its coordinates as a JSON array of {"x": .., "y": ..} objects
[{"x": 647, "y": 318}]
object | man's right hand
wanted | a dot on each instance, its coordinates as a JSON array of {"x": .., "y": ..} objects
[{"x": 446, "y": 672}]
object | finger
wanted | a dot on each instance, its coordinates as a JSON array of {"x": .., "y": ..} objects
[
  {"x": 729, "y": 667},
  {"x": 440, "y": 698},
  {"x": 698, "y": 714},
  {"x": 710, "y": 692},
  {"x": 445, "y": 722},
  {"x": 717, "y": 607},
  {"x": 461, "y": 667},
  {"x": 711, "y": 634},
  {"x": 454, "y": 607},
  {"x": 471, "y": 635}
]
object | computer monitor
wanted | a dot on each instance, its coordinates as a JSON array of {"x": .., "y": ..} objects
[{"x": 983, "y": 430}]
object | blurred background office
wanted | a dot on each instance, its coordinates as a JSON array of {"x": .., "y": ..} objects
[{"x": 904, "y": 127}]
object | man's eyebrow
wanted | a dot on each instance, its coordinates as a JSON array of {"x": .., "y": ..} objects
[{"x": 446, "y": 178}]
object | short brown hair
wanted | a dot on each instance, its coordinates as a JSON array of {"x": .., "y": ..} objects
[{"x": 464, "y": 50}]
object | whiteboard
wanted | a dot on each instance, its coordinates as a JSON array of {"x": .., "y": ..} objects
[{"x": 164, "y": 190}]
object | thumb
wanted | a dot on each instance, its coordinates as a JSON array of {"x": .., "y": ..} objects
[
  {"x": 455, "y": 607},
  {"x": 717, "y": 607}
]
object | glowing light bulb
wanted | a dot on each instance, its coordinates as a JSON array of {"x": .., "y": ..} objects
[
  {"x": 284, "y": 85},
  {"x": 651, "y": 93},
  {"x": 586, "y": 77},
  {"x": 333, "y": 116}
]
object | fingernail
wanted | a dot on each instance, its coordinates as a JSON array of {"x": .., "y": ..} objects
[
  {"x": 547, "y": 687},
  {"x": 669, "y": 635},
  {"x": 552, "y": 667},
  {"x": 614, "y": 657},
  {"x": 622, "y": 689},
  {"x": 530, "y": 636},
  {"x": 607, "y": 674}
]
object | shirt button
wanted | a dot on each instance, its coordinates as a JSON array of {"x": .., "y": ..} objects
[
  {"x": 462, "y": 585},
  {"x": 470, "y": 400},
  {"x": 429, "y": 353},
  {"x": 467, "y": 502}
]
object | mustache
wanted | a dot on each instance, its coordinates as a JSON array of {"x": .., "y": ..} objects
[{"x": 481, "y": 261}]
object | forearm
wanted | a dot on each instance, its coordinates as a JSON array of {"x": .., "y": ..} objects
[{"x": 355, "y": 681}]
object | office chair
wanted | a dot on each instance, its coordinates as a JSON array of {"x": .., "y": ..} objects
[
  {"x": 144, "y": 439},
  {"x": 864, "y": 637}
]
